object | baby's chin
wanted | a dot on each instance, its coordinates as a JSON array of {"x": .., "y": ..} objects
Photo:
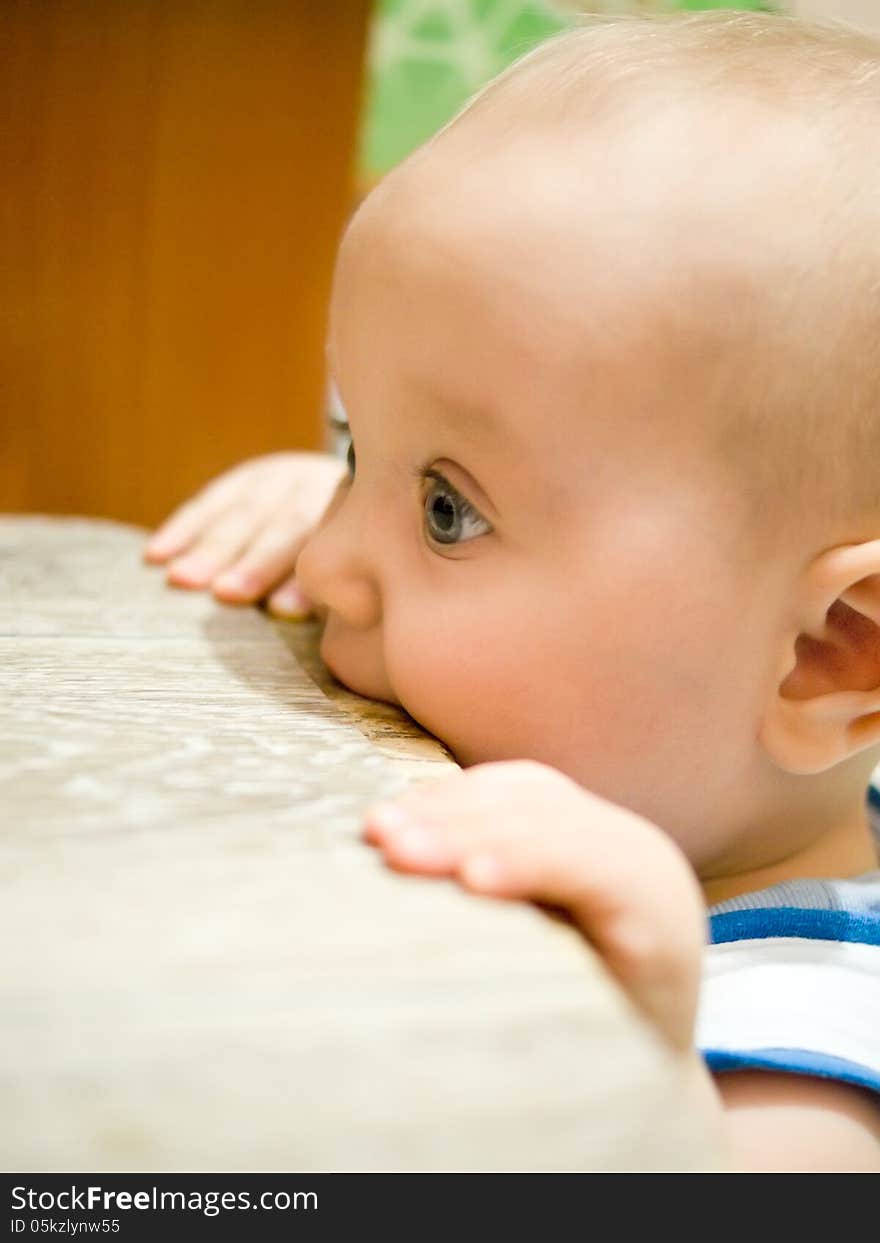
[
  {"x": 511, "y": 743},
  {"x": 464, "y": 755},
  {"x": 467, "y": 755},
  {"x": 561, "y": 758}
]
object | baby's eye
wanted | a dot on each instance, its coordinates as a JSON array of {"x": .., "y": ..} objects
[
  {"x": 449, "y": 518},
  {"x": 349, "y": 457}
]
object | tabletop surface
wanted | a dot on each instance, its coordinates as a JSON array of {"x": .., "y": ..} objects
[{"x": 206, "y": 969}]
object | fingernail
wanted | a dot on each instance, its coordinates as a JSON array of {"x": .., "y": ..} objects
[
  {"x": 415, "y": 840},
  {"x": 419, "y": 846},
  {"x": 389, "y": 816},
  {"x": 192, "y": 568},
  {"x": 483, "y": 872},
  {"x": 290, "y": 602},
  {"x": 231, "y": 580},
  {"x": 158, "y": 546}
]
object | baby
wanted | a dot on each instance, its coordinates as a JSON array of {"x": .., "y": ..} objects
[{"x": 610, "y": 528}]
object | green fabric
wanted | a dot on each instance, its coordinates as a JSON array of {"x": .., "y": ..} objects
[{"x": 428, "y": 56}]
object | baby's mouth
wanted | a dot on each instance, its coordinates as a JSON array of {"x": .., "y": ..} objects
[
  {"x": 343, "y": 679},
  {"x": 332, "y": 668}
]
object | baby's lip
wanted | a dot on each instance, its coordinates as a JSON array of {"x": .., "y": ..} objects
[
  {"x": 329, "y": 664},
  {"x": 364, "y": 690},
  {"x": 331, "y": 668}
]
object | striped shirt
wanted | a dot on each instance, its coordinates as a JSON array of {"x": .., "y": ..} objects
[{"x": 791, "y": 978}]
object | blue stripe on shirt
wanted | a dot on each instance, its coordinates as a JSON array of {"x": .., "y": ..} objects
[
  {"x": 791, "y": 921},
  {"x": 795, "y": 1062}
]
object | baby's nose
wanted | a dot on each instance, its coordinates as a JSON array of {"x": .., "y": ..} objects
[{"x": 334, "y": 569}]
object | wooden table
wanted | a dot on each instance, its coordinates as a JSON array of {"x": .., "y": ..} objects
[{"x": 204, "y": 967}]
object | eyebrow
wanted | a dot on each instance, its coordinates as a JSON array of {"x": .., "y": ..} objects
[{"x": 461, "y": 414}]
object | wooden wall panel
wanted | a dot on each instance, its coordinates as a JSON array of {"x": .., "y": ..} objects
[{"x": 177, "y": 176}]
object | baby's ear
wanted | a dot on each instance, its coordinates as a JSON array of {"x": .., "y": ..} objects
[{"x": 826, "y": 701}]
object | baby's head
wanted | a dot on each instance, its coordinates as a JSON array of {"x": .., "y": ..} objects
[{"x": 608, "y": 348}]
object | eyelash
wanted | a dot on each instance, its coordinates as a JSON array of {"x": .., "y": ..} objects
[
  {"x": 424, "y": 474},
  {"x": 466, "y": 509}
]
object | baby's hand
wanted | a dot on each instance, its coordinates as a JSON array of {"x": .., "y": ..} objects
[
  {"x": 241, "y": 535},
  {"x": 519, "y": 829}
]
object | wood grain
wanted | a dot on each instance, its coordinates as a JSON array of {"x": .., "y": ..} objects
[
  {"x": 206, "y": 969},
  {"x": 862, "y": 14}
]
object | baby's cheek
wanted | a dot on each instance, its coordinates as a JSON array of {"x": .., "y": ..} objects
[{"x": 471, "y": 695}]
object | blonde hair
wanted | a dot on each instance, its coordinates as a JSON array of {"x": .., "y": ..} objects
[{"x": 800, "y": 386}]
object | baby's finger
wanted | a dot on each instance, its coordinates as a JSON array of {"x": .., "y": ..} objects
[
  {"x": 435, "y": 826},
  {"x": 267, "y": 562},
  {"x": 290, "y": 601},
  {"x": 191, "y": 519},
  {"x": 573, "y": 853},
  {"x": 650, "y": 935},
  {"x": 217, "y": 549},
  {"x": 409, "y": 844}
]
